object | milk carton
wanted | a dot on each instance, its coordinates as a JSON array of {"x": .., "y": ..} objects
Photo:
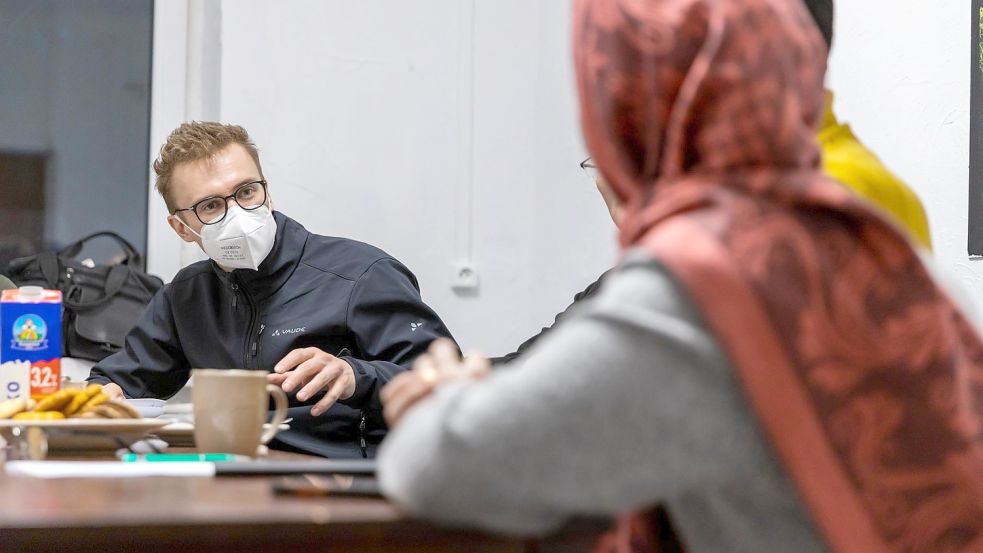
[{"x": 30, "y": 342}]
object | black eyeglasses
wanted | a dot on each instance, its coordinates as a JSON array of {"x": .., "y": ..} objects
[
  {"x": 213, "y": 209},
  {"x": 588, "y": 166}
]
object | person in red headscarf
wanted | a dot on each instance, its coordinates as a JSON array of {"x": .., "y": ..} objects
[
  {"x": 845, "y": 158},
  {"x": 771, "y": 360}
]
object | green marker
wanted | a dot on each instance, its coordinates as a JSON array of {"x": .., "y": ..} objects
[{"x": 182, "y": 457}]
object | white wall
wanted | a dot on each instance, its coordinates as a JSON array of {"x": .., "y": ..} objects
[
  {"x": 446, "y": 130},
  {"x": 901, "y": 74}
]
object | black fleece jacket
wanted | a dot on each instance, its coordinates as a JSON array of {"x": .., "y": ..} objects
[{"x": 344, "y": 297}]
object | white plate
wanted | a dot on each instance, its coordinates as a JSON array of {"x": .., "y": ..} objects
[
  {"x": 182, "y": 433},
  {"x": 82, "y": 436},
  {"x": 148, "y": 408},
  {"x": 89, "y": 425}
]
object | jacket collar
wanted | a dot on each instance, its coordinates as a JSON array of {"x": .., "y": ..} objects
[{"x": 273, "y": 272}]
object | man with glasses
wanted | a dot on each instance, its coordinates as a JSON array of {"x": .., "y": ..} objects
[{"x": 331, "y": 319}]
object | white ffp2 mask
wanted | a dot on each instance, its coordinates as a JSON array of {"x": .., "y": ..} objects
[{"x": 240, "y": 241}]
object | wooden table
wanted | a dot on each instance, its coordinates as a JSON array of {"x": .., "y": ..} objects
[{"x": 227, "y": 514}]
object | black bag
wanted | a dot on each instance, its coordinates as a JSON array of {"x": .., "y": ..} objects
[{"x": 100, "y": 304}]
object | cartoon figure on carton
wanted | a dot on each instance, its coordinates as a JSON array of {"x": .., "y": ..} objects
[{"x": 29, "y": 332}]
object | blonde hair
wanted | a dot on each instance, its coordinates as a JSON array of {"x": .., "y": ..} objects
[{"x": 196, "y": 141}]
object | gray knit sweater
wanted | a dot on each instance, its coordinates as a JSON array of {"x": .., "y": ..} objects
[{"x": 629, "y": 403}]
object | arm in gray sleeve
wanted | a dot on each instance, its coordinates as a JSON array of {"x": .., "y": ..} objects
[
  {"x": 151, "y": 363},
  {"x": 627, "y": 401}
]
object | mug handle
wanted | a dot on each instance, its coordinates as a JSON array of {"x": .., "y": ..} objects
[{"x": 279, "y": 413}]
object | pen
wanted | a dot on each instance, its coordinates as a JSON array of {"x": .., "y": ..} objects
[{"x": 181, "y": 457}]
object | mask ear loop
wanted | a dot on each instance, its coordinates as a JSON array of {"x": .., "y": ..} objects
[{"x": 187, "y": 226}]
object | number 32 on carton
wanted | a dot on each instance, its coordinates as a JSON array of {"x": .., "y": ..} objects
[{"x": 44, "y": 379}]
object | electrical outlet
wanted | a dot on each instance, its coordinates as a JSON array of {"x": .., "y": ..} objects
[{"x": 464, "y": 276}]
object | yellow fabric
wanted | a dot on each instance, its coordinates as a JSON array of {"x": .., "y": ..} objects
[{"x": 847, "y": 160}]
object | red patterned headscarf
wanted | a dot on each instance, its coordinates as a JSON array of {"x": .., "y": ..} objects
[{"x": 867, "y": 380}]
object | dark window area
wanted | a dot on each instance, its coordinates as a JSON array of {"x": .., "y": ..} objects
[
  {"x": 976, "y": 134},
  {"x": 74, "y": 123}
]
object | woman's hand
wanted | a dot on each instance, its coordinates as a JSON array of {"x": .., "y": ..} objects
[{"x": 439, "y": 365}]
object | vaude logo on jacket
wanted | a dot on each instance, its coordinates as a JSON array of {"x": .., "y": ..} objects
[{"x": 288, "y": 331}]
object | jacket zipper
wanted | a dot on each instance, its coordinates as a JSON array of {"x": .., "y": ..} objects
[
  {"x": 247, "y": 342},
  {"x": 361, "y": 435},
  {"x": 362, "y": 446},
  {"x": 235, "y": 296},
  {"x": 254, "y": 349}
]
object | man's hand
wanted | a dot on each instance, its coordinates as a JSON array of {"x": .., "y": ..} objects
[
  {"x": 113, "y": 391},
  {"x": 439, "y": 365},
  {"x": 315, "y": 370}
]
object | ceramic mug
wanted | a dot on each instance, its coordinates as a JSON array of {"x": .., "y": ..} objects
[{"x": 230, "y": 407}]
